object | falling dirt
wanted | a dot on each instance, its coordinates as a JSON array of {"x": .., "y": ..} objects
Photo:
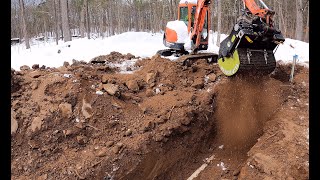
[
  {"x": 157, "y": 119},
  {"x": 243, "y": 105}
]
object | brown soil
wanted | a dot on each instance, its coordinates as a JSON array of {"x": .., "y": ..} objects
[{"x": 163, "y": 121}]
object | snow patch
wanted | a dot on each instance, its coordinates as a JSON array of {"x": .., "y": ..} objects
[
  {"x": 99, "y": 92},
  {"x": 142, "y": 44},
  {"x": 222, "y": 166},
  {"x": 126, "y": 67}
]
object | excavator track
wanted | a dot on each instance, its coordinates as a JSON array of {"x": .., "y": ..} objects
[{"x": 187, "y": 60}]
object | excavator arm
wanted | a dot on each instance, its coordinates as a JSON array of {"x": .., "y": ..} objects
[
  {"x": 199, "y": 21},
  {"x": 264, "y": 13}
]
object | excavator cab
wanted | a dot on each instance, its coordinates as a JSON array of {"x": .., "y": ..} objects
[
  {"x": 177, "y": 32},
  {"x": 188, "y": 34}
]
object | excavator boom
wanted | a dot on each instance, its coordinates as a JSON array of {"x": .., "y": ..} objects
[{"x": 200, "y": 15}]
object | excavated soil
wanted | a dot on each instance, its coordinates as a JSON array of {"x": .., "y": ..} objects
[{"x": 161, "y": 121}]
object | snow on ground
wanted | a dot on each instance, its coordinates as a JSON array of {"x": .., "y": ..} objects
[{"x": 143, "y": 44}]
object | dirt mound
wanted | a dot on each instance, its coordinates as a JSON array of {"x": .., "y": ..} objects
[
  {"x": 90, "y": 121},
  {"x": 113, "y": 57}
]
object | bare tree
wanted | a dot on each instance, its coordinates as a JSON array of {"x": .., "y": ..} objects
[
  {"x": 56, "y": 22},
  {"x": 24, "y": 25},
  {"x": 82, "y": 19},
  {"x": 306, "y": 36},
  {"x": 87, "y": 18},
  {"x": 299, "y": 20},
  {"x": 219, "y": 23},
  {"x": 97, "y": 16},
  {"x": 65, "y": 20}
]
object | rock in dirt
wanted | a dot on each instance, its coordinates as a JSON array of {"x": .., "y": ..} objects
[
  {"x": 36, "y": 124},
  {"x": 82, "y": 140},
  {"x": 236, "y": 172},
  {"x": 147, "y": 127},
  {"x": 67, "y": 132},
  {"x": 35, "y": 84},
  {"x": 80, "y": 125},
  {"x": 151, "y": 77},
  {"x": 185, "y": 121},
  {"x": 129, "y": 56},
  {"x": 24, "y": 68},
  {"x": 102, "y": 152},
  {"x": 66, "y": 110},
  {"x": 43, "y": 177},
  {"x": 112, "y": 89},
  {"x": 33, "y": 144},
  {"x": 120, "y": 144},
  {"x": 133, "y": 85},
  {"x": 198, "y": 83},
  {"x": 109, "y": 143},
  {"x": 35, "y": 74},
  {"x": 86, "y": 109},
  {"x": 105, "y": 79},
  {"x": 128, "y": 132},
  {"x": 212, "y": 77},
  {"x": 149, "y": 92},
  {"x": 66, "y": 64},
  {"x": 35, "y": 66},
  {"x": 14, "y": 123},
  {"x": 116, "y": 149}
]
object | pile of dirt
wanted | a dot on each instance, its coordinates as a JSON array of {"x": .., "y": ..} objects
[
  {"x": 114, "y": 57},
  {"x": 90, "y": 121}
]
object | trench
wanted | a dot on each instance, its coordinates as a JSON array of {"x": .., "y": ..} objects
[{"x": 241, "y": 108}]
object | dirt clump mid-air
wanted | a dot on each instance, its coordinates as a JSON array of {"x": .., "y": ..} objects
[{"x": 152, "y": 118}]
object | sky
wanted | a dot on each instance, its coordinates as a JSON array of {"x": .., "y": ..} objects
[{"x": 142, "y": 44}]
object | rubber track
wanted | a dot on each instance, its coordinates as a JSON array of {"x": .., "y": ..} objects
[
  {"x": 188, "y": 59},
  {"x": 257, "y": 62}
]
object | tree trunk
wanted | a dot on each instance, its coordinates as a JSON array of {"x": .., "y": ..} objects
[
  {"x": 82, "y": 19},
  {"x": 219, "y": 23},
  {"x": 87, "y": 18},
  {"x": 306, "y": 36},
  {"x": 65, "y": 21},
  {"x": 45, "y": 30},
  {"x": 171, "y": 9},
  {"x": 56, "y": 22},
  {"x": 110, "y": 18},
  {"x": 24, "y": 25},
  {"x": 136, "y": 17},
  {"x": 101, "y": 22},
  {"x": 299, "y": 20}
]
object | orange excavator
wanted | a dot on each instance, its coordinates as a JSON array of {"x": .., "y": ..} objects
[{"x": 249, "y": 47}]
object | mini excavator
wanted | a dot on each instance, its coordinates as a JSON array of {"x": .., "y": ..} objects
[{"x": 249, "y": 47}]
